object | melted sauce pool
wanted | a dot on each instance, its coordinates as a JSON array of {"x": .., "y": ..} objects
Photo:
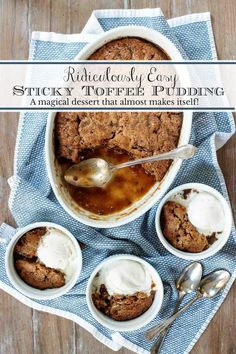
[{"x": 126, "y": 186}]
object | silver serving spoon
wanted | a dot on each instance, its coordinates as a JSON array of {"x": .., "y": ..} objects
[
  {"x": 187, "y": 282},
  {"x": 209, "y": 287},
  {"x": 97, "y": 172}
]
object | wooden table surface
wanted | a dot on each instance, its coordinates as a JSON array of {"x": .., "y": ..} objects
[{"x": 23, "y": 330}]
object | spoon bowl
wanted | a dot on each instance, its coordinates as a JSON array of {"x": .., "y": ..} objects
[
  {"x": 189, "y": 278},
  {"x": 94, "y": 172},
  {"x": 213, "y": 283}
]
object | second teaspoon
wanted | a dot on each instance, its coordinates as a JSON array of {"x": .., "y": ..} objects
[{"x": 187, "y": 282}]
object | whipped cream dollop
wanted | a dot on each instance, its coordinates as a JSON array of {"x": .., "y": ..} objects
[
  {"x": 124, "y": 277},
  {"x": 57, "y": 251},
  {"x": 204, "y": 211}
]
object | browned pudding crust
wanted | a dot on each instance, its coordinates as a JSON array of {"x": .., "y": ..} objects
[
  {"x": 28, "y": 243},
  {"x": 39, "y": 276},
  {"x": 141, "y": 134},
  {"x": 129, "y": 48},
  {"x": 121, "y": 307},
  {"x": 179, "y": 231},
  {"x": 27, "y": 266}
]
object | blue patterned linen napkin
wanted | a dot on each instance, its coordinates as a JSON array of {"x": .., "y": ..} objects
[{"x": 32, "y": 198}]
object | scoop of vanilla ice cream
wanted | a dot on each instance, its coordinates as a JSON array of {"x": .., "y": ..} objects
[
  {"x": 124, "y": 277},
  {"x": 56, "y": 250},
  {"x": 206, "y": 213}
]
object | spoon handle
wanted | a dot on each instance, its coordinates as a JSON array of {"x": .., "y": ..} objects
[
  {"x": 155, "y": 349},
  {"x": 182, "y": 152},
  {"x": 162, "y": 326}
]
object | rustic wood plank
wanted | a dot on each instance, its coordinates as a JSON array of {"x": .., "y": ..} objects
[
  {"x": 15, "y": 326},
  {"x": 39, "y": 16},
  {"x": 80, "y": 11},
  {"x": 53, "y": 334},
  {"x": 14, "y": 45},
  {"x": 86, "y": 343},
  {"x": 60, "y": 16},
  {"x": 14, "y": 29},
  {"x": 8, "y": 122},
  {"x": 165, "y": 5}
]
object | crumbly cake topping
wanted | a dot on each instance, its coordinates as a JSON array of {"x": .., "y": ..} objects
[
  {"x": 28, "y": 243},
  {"x": 38, "y": 275},
  {"x": 129, "y": 48},
  {"x": 122, "y": 307},
  {"x": 29, "y": 268},
  {"x": 178, "y": 230},
  {"x": 141, "y": 134}
]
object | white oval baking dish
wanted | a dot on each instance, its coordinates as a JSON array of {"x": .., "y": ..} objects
[{"x": 157, "y": 191}]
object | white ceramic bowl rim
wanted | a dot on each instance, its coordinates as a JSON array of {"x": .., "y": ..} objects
[
  {"x": 157, "y": 191},
  {"x": 131, "y": 31},
  {"x": 135, "y": 323},
  {"x": 26, "y": 289},
  {"x": 218, "y": 244}
]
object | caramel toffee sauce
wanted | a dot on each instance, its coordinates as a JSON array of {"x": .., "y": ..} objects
[{"x": 126, "y": 186}]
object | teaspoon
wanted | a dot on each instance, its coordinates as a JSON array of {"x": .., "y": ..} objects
[
  {"x": 96, "y": 172},
  {"x": 209, "y": 287},
  {"x": 187, "y": 282}
]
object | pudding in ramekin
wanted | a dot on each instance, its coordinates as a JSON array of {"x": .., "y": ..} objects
[
  {"x": 193, "y": 221},
  {"x": 124, "y": 293}
]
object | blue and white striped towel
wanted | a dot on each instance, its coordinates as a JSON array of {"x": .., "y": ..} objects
[{"x": 32, "y": 198}]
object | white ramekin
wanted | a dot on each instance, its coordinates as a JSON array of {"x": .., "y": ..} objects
[
  {"x": 157, "y": 191},
  {"x": 136, "y": 323},
  {"x": 28, "y": 290},
  {"x": 222, "y": 238}
]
